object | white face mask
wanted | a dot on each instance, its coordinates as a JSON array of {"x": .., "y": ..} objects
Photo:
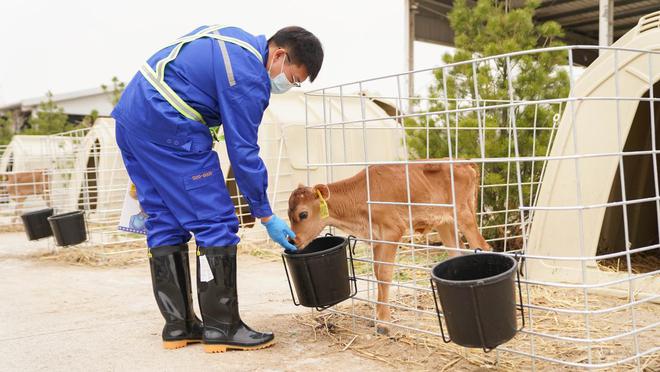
[{"x": 280, "y": 84}]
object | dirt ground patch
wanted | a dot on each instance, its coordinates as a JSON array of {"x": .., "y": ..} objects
[
  {"x": 91, "y": 308},
  {"x": 415, "y": 351},
  {"x": 64, "y": 317},
  {"x": 116, "y": 255}
]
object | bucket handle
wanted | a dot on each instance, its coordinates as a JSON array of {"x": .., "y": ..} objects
[
  {"x": 87, "y": 234},
  {"x": 521, "y": 308},
  {"x": 288, "y": 280},
  {"x": 475, "y": 306},
  {"x": 351, "y": 252},
  {"x": 437, "y": 312}
]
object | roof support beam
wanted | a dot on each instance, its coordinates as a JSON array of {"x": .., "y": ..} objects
[
  {"x": 572, "y": 13},
  {"x": 554, "y": 4},
  {"x": 605, "y": 24},
  {"x": 619, "y": 16}
]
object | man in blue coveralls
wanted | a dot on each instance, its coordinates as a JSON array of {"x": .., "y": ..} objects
[{"x": 167, "y": 119}]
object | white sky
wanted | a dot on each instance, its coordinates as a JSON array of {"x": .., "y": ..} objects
[{"x": 69, "y": 45}]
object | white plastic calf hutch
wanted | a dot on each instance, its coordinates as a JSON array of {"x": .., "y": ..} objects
[
  {"x": 606, "y": 142},
  {"x": 98, "y": 178},
  {"x": 26, "y": 152},
  {"x": 41, "y": 154}
]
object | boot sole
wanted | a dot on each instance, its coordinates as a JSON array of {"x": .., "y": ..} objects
[
  {"x": 171, "y": 345},
  {"x": 219, "y": 348}
]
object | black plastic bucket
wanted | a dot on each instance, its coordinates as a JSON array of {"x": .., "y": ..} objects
[
  {"x": 477, "y": 293},
  {"x": 320, "y": 272},
  {"x": 36, "y": 223},
  {"x": 69, "y": 228}
]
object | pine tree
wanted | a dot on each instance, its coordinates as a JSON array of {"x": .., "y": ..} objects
[
  {"x": 118, "y": 87},
  {"x": 488, "y": 29},
  {"x": 90, "y": 119},
  {"x": 6, "y": 125},
  {"x": 49, "y": 118}
]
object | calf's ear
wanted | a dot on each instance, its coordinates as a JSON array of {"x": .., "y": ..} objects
[{"x": 323, "y": 189}]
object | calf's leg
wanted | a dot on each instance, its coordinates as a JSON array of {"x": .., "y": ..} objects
[
  {"x": 385, "y": 253},
  {"x": 446, "y": 231},
  {"x": 467, "y": 222}
]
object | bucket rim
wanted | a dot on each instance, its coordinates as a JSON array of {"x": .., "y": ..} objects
[
  {"x": 64, "y": 215},
  {"x": 475, "y": 282},
  {"x": 295, "y": 256},
  {"x": 38, "y": 211}
]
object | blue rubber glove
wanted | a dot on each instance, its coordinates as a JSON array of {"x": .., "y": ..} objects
[{"x": 278, "y": 230}]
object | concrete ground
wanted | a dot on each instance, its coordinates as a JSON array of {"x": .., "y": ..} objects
[{"x": 61, "y": 317}]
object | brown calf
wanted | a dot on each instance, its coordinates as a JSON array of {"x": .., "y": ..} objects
[
  {"x": 347, "y": 206},
  {"x": 20, "y": 185}
]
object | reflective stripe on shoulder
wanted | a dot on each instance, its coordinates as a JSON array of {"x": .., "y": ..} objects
[
  {"x": 225, "y": 58},
  {"x": 243, "y": 44},
  {"x": 160, "y": 66}
]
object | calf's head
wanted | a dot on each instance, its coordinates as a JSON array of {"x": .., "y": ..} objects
[{"x": 305, "y": 212}]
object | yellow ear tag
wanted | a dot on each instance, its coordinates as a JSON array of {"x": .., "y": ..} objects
[{"x": 323, "y": 207}]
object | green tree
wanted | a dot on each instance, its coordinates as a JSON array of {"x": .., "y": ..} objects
[
  {"x": 49, "y": 118},
  {"x": 486, "y": 29},
  {"x": 6, "y": 125},
  {"x": 89, "y": 120},
  {"x": 118, "y": 87}
]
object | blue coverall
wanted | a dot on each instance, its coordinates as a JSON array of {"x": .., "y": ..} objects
[{"x": 169, "y": 157}]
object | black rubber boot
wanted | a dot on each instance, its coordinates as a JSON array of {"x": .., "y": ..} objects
[
  {"x": 218, "y": 301},
  {"x": 170, "y": 277}
]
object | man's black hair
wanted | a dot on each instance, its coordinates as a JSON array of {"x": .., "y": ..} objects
[{"x": 304, "y": 48}]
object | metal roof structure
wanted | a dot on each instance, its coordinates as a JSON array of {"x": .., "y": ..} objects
[{"x": 580, "y": 19}]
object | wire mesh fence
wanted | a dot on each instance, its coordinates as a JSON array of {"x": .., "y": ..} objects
[
  {"x": 76, "y": 170},
  {"x": 567, "y": 183}
]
